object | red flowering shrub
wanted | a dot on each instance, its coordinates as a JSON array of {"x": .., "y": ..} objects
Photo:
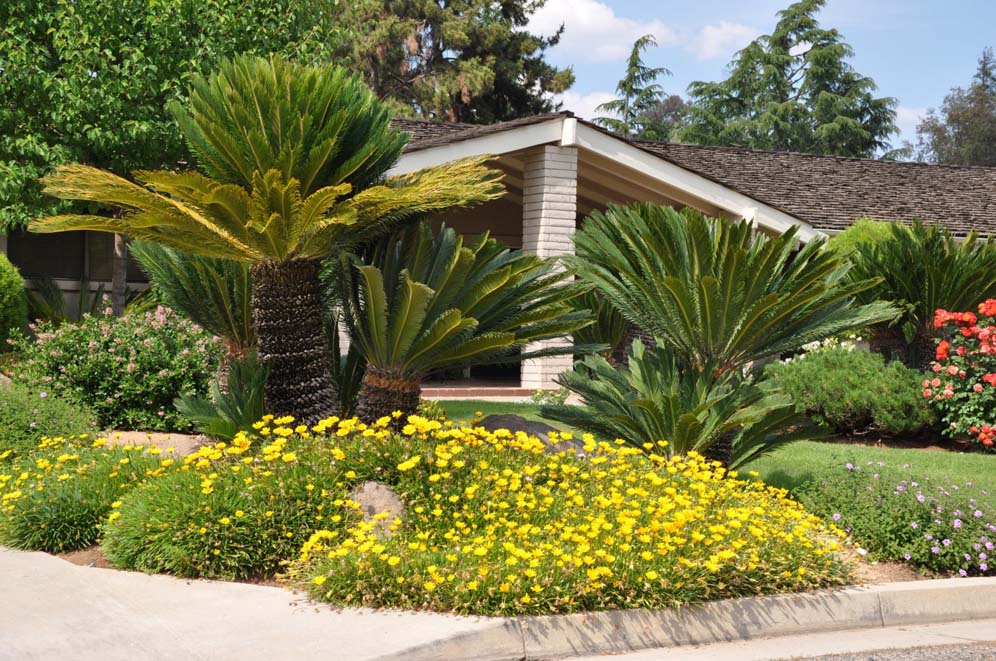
[{"x": 963, "y": 387}]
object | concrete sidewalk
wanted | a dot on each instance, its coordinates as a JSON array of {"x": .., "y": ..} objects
[{"x": 52, "y": 609}]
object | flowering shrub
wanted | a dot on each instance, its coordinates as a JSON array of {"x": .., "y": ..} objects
[
  {"x": 963, "y": 388},
  {"x": 496, "y": 526},
  {"x": 943, "y": 528},
  {"x": 128, "y": 370},
  {"x": 28, "y": 416},
  {"x": 231, "y": 513},
  {"x": 55, "y": 500}
]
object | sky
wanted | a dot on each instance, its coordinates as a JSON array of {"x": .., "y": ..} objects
[{"x": 915, "y": 50}]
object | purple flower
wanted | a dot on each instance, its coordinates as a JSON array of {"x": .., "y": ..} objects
[
  {"x": 836, "y": 516},
  {"x": 977, "y": 514},
  {"x": 907, "y": 557},
  {"x": 935, "y": 549},
  {"x": 920, "y": 498},
  {"x": 962, "y": 572},
  {"x": 43, "y": 394},
  {"x": 914, "y": 525},
  {"x": 928, "y": 536},
  {"x": 946, "y": 542},
  {"x": 849, "y": 466},
  {"x": 957, "y": 524}
]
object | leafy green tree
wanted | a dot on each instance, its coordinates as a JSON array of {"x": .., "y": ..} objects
[
  {"x": 792, "y": 90},
  {"x": 964, "y": 132},
  {"x": 88, "y": 81},
  {"x": 639, "y": 112},
  {"x": 419, "y": 302},
  {"x": 456, "y": 60},
  {"x": 295, "y": 159}
]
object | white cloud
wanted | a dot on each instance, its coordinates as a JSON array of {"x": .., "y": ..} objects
[
  {"x": 583, "y": 105},
  {"x": 721, "y": 40},
  {"x": 907, "y": 119},
  {"x": 593, "y": 31}
]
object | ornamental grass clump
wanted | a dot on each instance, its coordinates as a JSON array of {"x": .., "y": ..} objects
[
  {"x": 895, "y": 515},
  {"x": 234, "y": 510},
  {"x": 56, "y": 499},
  {"x": 31, "y": 415},
  {"x": 496, "y": 526}
]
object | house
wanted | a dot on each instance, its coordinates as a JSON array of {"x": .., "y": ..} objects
[{"x": 558, "y": 168}]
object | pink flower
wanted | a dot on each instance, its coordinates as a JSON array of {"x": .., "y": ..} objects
[{"x": 977, "y": 387}]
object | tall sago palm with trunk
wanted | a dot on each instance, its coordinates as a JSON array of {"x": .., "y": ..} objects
[
  {"x": 294, "y": 160},
  {"x": 420, "y": 302}
]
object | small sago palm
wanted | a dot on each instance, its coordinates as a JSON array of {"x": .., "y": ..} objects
[
  {"x": 213, "y": 293},
  {"x": 662, "y": 407},
  {"x": 420, "y": 302},
  {"x": 922, "y": 268},
  {"x": 295, "y": 159},
  {"x": 715, "y": 292}
]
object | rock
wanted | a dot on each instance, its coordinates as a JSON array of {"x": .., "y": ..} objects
[
  {"x": 375, "y": 498},
  {"x": 541, "y": 430}
]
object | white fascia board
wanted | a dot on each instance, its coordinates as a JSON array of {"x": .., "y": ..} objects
[
  {"x": 696, "y": 185},
  {"x": 499, "y": 142}
]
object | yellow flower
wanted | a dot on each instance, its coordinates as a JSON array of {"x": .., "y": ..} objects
[
  {"x": 224, "y": 521},
  {"x": 318, "y": 580},
  {"x": 652, "y": 575}
]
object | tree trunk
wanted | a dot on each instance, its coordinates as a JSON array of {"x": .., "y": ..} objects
[
  {"x": 721, "y": 450},
  {"x": 119, "y": 275},
  {"x": 287, "y": 312},
  {"x": 384, "y": 391}
]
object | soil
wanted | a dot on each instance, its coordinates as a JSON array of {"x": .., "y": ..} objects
[
  {"x": 91, "y": 557},
  {"x": 867, "y": 572},
  {"x": 929, "y": 442}
]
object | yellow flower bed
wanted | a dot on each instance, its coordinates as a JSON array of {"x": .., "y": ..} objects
[
  {"x": 495, "y": 526},
  {"x": 55, "y": 499}
]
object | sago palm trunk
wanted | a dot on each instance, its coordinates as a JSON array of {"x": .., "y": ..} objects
[
  {"x": 287, "y": 312},
  {"x": 385, "y": 391},
  {"x": 721, "y": 450}
]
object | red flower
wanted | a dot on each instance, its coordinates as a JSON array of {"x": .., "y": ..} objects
[
  {"x": 942, "y": 350},
  {"x": 988, "y": 307}
]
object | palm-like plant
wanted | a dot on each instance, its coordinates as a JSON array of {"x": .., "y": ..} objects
[
  {"x": 213, "y": 293},
  {"x": 295, "y": 159},
  {"x": 653, "y": 399},
  {"x": 717, "y": 293},
  {"x": 420, "y": 302},
  {"x": 609, "y": 326},
  {"x": 922, "y": 268}
]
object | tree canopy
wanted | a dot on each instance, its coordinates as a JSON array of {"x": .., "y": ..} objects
[
  {"x": 88, "y": 81},
  {"x": 964, "y": 131},
  {"x": 642, "y": 109},
  {"x": 792, "y": 90}
]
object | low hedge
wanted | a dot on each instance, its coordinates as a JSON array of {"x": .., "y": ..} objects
[{"x": 853, "y": 392}]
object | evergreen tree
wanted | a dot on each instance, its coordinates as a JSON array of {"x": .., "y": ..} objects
[
  {"x": 642, "y": 107},
  {"x": 456, "y": 60},
  {"x": 793, "y": 90},
  {"x": 964, "y": 132}
]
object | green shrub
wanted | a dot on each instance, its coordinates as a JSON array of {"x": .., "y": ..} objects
[
  {"x": 29, "y": 415},
  {"x": 220, "y": 517},
  {"x": 862, "y": 230},
  {"x": 898, "y": 516},
  {"x": 128, "y": 370},
  {"x": 853, "y": 391},
  {"x": 55, "y": 500},
  {"x": 13, "y": 302}
]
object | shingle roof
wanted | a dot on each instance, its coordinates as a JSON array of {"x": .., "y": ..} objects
[
  {"x": 433, "y": 134},
  {"x": 828, "y": 192}
]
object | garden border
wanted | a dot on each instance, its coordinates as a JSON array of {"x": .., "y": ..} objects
[{"x": 610, "y": 632}]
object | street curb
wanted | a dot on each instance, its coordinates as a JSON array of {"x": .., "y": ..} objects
[{"x": 611, "y": 632}]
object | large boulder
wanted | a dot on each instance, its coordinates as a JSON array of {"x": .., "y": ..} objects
[
  {"x": 375, "y": 498},
  {"x": 541, "y": 430}
]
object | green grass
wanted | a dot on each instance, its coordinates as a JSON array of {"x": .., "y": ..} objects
[
  {"x": 798, "y": 463},
  {"x": 464, "y": 410}
]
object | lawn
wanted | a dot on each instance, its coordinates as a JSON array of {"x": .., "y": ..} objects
[
  {"x": 463, "y": 410},
  {"x": 800, "y": 462}
]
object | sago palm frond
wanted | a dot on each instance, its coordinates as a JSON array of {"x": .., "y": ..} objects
[{"x": 717, "y": 292}]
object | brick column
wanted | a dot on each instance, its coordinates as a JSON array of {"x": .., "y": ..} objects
[{"x": 549, "y": 210}]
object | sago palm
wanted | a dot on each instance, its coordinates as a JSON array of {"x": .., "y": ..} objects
[
  {"x": 719, "y": 293},
  {"x": 213, "y": 293},
  {"x": 923, "y": 268},
  {"x": 294, "y": 159},
  {"x": 662, "y": 407},
  {"x": 420, "y": 302}
]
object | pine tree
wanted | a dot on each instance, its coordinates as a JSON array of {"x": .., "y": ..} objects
[
  {"x": 641, "y": 109},
  {"x": 793, "y": 90}
]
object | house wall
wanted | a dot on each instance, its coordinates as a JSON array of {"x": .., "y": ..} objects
[{"x": 501, "y": 217}]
